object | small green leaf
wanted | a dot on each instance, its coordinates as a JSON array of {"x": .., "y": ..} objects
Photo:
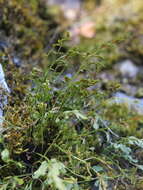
[
  {"x": 55, "y": 168},
  {"x": 139, "y": 167},
  {"x": 95, "y": 124},
  {"x": 19, "y": 181},
  {"x": 5, "y": 155},
  {"x": 98, "y": 168},
  {"x": 76, "y": 113},
  {"x": 42, "y": 170}
]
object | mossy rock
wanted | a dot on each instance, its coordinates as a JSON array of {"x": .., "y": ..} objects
[{"x": 26, "y": 25}]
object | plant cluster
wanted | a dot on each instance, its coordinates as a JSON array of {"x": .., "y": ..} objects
[
  {"x": 59, "y": 131},
  {"x": 63, "y": 136}
]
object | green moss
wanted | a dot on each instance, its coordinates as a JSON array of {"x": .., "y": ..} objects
[
  {"x": 61, "y": 117},
  {"x": 22, "y": 23}
]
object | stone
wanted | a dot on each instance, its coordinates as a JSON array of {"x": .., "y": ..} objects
[
  {"x": 127, "y": 68},
  {"x": 4, "y": 90},
  {"x": 132, "y": 103}
]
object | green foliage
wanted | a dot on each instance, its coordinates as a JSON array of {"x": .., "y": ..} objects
[
  {"x": 67, "y": 134},
  {"x": 52, "y": 177},
  {"x": 59, "y": 133},
  {"x": 5, "y": 155}
]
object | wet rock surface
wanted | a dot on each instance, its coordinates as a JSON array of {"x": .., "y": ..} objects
[{"x": 4, "y": 90}]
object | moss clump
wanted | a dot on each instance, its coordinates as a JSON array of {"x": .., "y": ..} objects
[{"x": 23, "y": 26}]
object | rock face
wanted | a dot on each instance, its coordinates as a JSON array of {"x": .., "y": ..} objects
[
  {"x": 133, "y": 104},
  {"x": 67, "y": 3},
  {"x": 127, "y": 68},
  {"x": 4, "y": 90},
  {"x": 70, "y": 8}
]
